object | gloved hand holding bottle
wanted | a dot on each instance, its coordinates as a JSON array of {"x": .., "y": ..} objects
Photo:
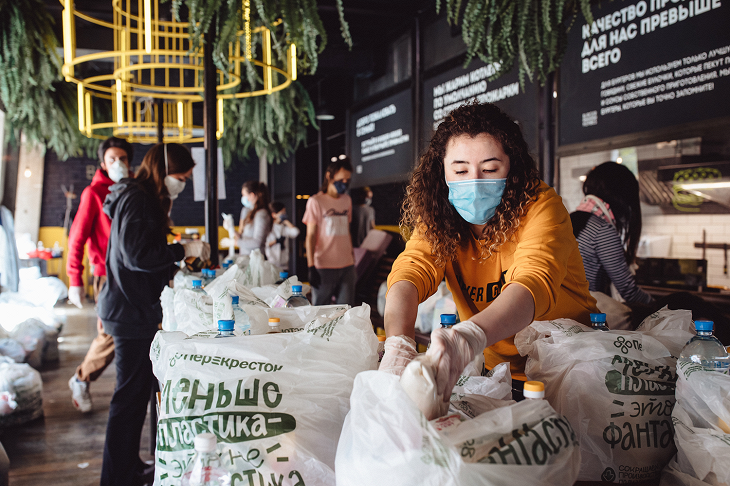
[{"x": 452, "y": 350}]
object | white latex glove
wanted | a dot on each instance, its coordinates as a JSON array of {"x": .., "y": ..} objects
[
  {"x": 74, "y": 296},
  {"x": 399, "y": 351},
  {"x": 228, "y": 242},
  {"x": 197, "y": 248},
  {"x": 419, "y": 383},
  {"x": 451, "y": 350}
]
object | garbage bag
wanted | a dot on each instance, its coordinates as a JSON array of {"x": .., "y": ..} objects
[
  {"x": 31, "y": 334},
  {"x": 275, "y": 402},
  {"x": 387, "y": 440},
  {"x": 21, "y": 391},
  {"x": 702, "y": 423},
  {"x": 12, "y": 349},
  {"x": 615, "y": 387}
]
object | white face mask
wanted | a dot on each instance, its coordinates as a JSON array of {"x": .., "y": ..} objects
[
  {"x": 174, "y": 186},
  {"x": 117, "y": 171}
]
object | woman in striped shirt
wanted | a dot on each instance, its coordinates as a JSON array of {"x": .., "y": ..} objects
[{"x": 607, "y": 224}]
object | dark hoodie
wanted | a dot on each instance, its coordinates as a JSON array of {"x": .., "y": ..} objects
[{"x": 139, "y": 262}]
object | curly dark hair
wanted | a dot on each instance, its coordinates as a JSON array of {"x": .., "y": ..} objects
[{"x": 426, "y": 205}]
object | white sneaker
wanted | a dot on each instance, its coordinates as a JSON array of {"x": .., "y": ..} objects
[{"x": 80, "y": 394}]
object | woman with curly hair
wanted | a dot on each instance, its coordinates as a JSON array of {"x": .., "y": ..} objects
[{"x": 481, "y": 218}]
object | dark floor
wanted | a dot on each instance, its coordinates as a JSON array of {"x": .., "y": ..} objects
[{"x": 65, "y": 447}]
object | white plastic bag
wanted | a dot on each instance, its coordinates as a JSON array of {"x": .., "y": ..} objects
[
  {"x": 615, "y": 387},
  {"x": 12, "y": 349},
  {"x": 167, "y": 299},
  {"x": 290, "y": 319},
  {"x": 258, "y": 272},
  {"x": 430, "y": 310},
  {"x": 21, "y": 391},
  {"x": 387, "y": 440},
  {"x": 702, "y": 423},
  {"x": 193, "y": 311},
  {"x": 275, "y": 402},
  {"x": 31, "y": 334}
]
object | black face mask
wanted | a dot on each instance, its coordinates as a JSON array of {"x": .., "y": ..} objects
[{"x": 341, "y": 187}]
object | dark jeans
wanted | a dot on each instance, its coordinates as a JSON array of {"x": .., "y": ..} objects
[
  {"x": 339, "y": 282},
  {"x": 127, "y": 412}
]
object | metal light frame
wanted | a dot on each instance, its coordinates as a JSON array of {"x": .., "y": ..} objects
[{"x": 153, "y": 59}]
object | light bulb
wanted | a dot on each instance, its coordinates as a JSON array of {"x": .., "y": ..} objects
[{"x": 27, "y": 172}]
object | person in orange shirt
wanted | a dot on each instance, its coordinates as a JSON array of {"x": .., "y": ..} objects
[{"x": 481, "y": 218}]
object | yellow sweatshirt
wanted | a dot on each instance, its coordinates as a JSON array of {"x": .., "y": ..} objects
[{"x": 542, "y": 256}]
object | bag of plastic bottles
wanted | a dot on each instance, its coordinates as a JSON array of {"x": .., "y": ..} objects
[
  {"x": 193, "y": 312},
  {"x": 615, "y": 387},
  {"x": 276, "y": 402},
  {"x": 485, "y": 438},
  {"x": 702, "y": 423}
]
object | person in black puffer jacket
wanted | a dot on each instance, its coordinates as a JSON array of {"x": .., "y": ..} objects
[{"x": 139, "y": 264}]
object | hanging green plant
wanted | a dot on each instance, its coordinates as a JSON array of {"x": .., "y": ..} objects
[
  {"x": 36, "y": 99},
  {"x": 531, "y": 33},
  {"x": 272, "y": 125}
]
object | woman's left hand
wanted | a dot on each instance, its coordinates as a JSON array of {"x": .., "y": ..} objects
[{"x": 451, "y": 350}]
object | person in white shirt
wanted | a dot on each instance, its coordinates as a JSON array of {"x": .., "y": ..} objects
[
  {"x": 255, "y": 223},
  {"x": 277, "y": 243}
]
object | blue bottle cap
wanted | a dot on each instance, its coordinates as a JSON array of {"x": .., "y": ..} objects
[
  {"x": 234, "y": 299},
  {"x": 226, "y": 264},
  {"x": 296, "y": 289},
  {"x": 226, "y": 325},
  {"x": 197, "y": 283},
  {"x": 704, "y": 325},
  {"x": 598, "y": 317},
  {"x": 283, "y": 274},
  {"x": 448, "y": 319}
]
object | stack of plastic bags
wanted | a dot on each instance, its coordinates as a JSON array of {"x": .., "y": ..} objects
[{"x": 28, "y": 331}]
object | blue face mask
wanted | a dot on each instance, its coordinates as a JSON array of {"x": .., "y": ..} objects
[
  {"x": 246, "y": 203},
  {"x": 476, "y": 200},
  {"x": 341, "y": 187}
]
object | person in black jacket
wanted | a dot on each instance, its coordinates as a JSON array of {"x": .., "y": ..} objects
[{"x": 139, "y": 264}]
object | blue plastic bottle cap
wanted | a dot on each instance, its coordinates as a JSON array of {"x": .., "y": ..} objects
[
  {"x": 197, "y": 283},
  {"x": 234, "y": 299},
  {"x": 226, "y": 325},
  {"x": 448, "y": 318},
  {"x": 283, "y": 274},
  {"x": 598, "y": 317},
  {"x": 296, "y": 288},
  {"x": 704, "y": 325}
]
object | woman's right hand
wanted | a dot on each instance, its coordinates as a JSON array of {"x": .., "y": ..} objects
[{"x": 197, "y": 248}]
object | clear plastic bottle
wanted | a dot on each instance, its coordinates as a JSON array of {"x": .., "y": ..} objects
[
  {"x": 205, "y": 468},
  {"x": 448, "y": 320},
  {"x": 381, "y": 347},
  {"x": 297, "y": 299},
  {"x": 242, "y": 323},
  {"x": 598, "y": 322},
  {"x": 534, "y": 390},
  {"x": 198, "y": 287},
  {"x": 705, "y": 349},
  {"x": 282, "y": 276},
  {"x": 274, "y": 325},
  {"x": 225, "y": 328}
]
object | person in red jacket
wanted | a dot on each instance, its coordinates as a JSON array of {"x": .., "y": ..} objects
[{"x": 91, "y": 227}]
